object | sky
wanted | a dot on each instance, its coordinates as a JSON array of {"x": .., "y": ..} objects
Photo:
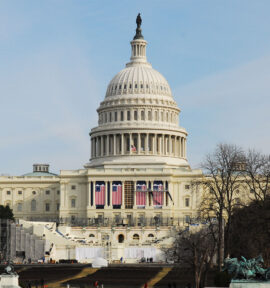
[{"x": 57, "y": 58}]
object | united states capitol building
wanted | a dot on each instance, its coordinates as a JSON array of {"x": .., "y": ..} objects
[{"x": 135, "y": 189}]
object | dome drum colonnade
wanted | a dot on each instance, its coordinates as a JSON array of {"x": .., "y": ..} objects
[
  {"x": 139, "y": 115},
  {"x": 138, "y": 143}
]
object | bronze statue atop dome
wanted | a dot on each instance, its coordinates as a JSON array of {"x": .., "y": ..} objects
[
  {"x": 138, "y": 30},
  {"x": 139, "y": 21}
]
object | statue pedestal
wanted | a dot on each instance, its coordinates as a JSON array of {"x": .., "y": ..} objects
[
  {"x": 249, "y": 284},
  {"x": 9, "y": 281}
]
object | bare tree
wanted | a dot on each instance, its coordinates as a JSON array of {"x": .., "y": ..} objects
[
  {"x": 223, "y": 176},
  {"x": 257, "y": 175},
  {"x": 194, "y": 249}
]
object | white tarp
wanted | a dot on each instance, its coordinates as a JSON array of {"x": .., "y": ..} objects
[
  {"x": 83, "y": 253},
  {"x": 136, "y": 252},
  {"x": 99, "y": 262}
]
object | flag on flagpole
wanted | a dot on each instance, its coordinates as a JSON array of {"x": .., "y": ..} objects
[
  {"x": 133, "y": 148},
  {"x": 100, "y": 194},
  {"x": 116, "y": 194}
]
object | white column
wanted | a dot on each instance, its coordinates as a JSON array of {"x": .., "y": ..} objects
[
  {"x": 102, "y": 145},
  {"x": 110, "y": 206},
  {"x": 114, "y": 144},
  {"x": 130, "y": 136},
  {"x": 139, "y": 143},
  {"x": 175, "y": 146},
  {"x": 122, "y": 143},
  {"x": 165, "y": 145},
  {"x": 94, "y": 196},
  {"x": 147, "y": 143},
  {"x": 123, "y": 195},
  {"x": 88, "y": 194},
  {"x": 181, "y": 141},
  {"x": 98, "y": 146},
  {"x": 179, "y": 146},
  {"x": 170, "y": 144},
  {"x": 108, "y": 145},
  {"x": 154, "y": 143},
  {"x": 106, "y": 195}
]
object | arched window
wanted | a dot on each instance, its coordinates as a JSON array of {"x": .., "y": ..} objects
[
  {"x": 136, "y": 237},
  {"x": 33, "y": 205},
  {"x": 142, "y": 115},
  {"x": 91, "y": 235},
  {"x": 149, "y": 115},
  {"x": 150, "y": 235},
  {"x": 135, "y": 115},
  {"x": 121, "y": 238}
]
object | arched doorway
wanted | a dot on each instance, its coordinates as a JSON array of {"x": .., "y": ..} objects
[{"x": 121, "y": 238}]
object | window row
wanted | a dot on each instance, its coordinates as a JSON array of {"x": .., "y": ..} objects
[
  {"x": 142, "y": 115},
  {"x": 33, "y": 206},
  {"x": 47, "y": 192},
  {"x": 129, "y": 86}
]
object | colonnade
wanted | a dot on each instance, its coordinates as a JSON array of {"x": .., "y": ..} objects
[
  {"x": 91, "y": 202},
  {"x": 138, "y": 144}
]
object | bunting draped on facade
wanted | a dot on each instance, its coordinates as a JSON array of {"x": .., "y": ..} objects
[
  {"x": 141, "y": 192},
  {"x": 100, "y": 194},
  {"x": 158, "y": 194},
  {"x": 116, "y": 194}
]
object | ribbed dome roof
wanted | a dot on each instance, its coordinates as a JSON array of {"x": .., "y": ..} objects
[{"x": 138, "y": 79}]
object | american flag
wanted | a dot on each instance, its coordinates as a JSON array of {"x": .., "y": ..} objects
[
  {"x": 100, "y": 194},
  {"x": 141, "y": 194},
  {"x": 158, "y": 194},
  {"x": 116, "y": 194}
]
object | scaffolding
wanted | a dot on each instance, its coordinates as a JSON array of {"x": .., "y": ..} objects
[{"x": 129, "y": 194}]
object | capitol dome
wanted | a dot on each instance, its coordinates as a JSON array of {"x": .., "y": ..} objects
[
  {"x": 138, "y": 121},
  {"x": 138, "y": 79}
]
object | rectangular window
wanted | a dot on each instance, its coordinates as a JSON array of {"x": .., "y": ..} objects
[
  {"x": 187, "y": 187},
  {"x": 135, "y": 115},
  {"x": 47, "y": 207},
  {"x": 47, "y": 192},
  {"x": 19, "y": 207},
  {"x": 110, "y": 116},
  {"x": 20, "y": 192},
  {"x": 122, "y": 115},
  {"x": 128, "y": 115},
  {"x": 186, "y": 202},
  {"x": 105, "y": 117},
  {"x": 115, "y": 116},
  {"x": 57, "y": 206},
  {"x": 8, "y": 193},
  {"x": 156, "y": 116},
  {"x": 73, "y": 187},
  {"x": 73, "y": 203},
  {"x": 187, "y": 219},
  {"x": 58, "y": 192}
]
